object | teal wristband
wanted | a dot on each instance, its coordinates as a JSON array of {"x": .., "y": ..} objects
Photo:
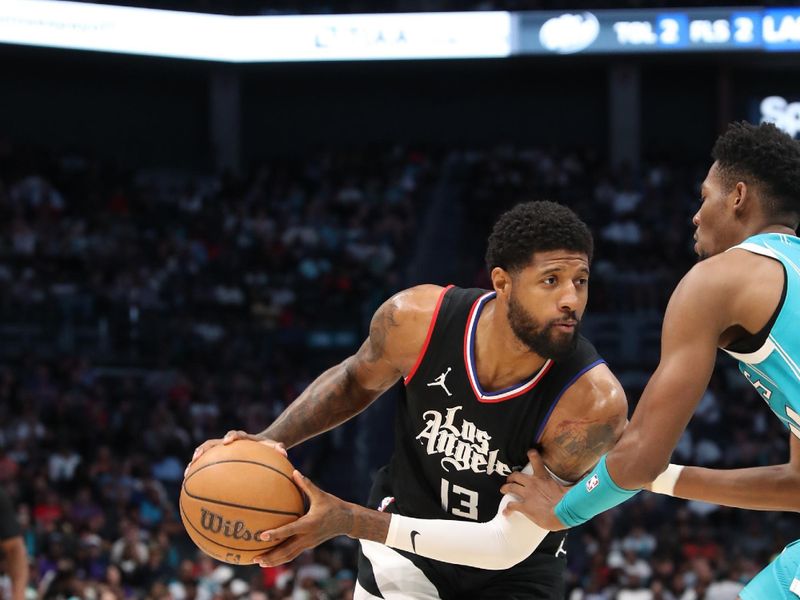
[{"x": 592, "y": 495}]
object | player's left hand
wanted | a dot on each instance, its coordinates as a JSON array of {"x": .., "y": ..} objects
[
  {"x": 538, "y": 493},
  {"x": 327, "y": 517}
]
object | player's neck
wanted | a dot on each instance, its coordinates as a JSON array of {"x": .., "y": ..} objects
[
  {"x": 759, "y": 223},
  {"x": 756, "y": 227},
  {"x": 774, "y": 228},
  {"x": 500, "y": 358}
]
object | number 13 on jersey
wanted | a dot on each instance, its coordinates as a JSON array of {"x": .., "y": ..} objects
[{"x": 464, "y": 502}]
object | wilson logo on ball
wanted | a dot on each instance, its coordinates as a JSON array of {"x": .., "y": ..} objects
[
  {"x": 225, "y": 520},
  {"x": 236, "y": 530}
]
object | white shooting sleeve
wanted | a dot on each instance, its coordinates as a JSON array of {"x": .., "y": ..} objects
[{"x": 497, "y": 544}]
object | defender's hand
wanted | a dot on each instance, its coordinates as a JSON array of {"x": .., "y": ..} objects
[
  {"x": 538, "y": 493},
  {"x": 231, "y": 437},
  {"x": 327, "y": 517}
]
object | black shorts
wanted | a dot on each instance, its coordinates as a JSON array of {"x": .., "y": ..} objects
[{"x": 384, "y": 572}]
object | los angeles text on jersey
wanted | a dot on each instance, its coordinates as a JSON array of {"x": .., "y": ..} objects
[{"x": 463, "y": 446}]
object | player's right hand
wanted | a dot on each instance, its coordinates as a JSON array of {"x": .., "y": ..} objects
[
  {"x": 537, "y": 494},
  {"x": 327, "y": 517},
  {"x": 229, "y": 438}
]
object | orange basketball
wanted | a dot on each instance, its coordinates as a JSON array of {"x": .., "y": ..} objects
[{"x": 234, "y": 492}]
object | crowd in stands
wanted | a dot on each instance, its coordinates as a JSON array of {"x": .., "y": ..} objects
[
  {"x": 144, "y": 312},
  {"x": 158, "y": 258},
  {"x": 641, "y": 222}
]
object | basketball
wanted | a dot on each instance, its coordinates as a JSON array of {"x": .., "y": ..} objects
[{"x": 234, "y": 492}]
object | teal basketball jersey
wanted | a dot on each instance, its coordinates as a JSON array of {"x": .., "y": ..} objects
[{"x": 774, "y": 369}]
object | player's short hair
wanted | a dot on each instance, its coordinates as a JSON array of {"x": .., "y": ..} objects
[
  {"x": 763, "y": 156},
  {"x": 533, "y": 227}
]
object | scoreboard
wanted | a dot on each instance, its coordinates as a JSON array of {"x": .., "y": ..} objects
[
  {"x": 398, "y": 36},
  {"x": 645, "y": 31}
]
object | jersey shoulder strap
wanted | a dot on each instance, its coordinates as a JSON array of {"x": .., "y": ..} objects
[
  {"x": 448, "y": 323},
  {"x": 564, "y": 373}
]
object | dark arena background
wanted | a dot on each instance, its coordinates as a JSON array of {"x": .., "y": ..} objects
[{"x": 196, "y": 223}]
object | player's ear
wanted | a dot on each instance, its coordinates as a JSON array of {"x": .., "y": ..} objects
[
  {"x": 740, "y": 196},
  {"x": 501, "y": 281}
]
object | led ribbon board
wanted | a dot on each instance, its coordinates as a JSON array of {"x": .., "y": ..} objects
[
  {"x": 401, "y": 36},
  {"x": 79, "y": 26}
]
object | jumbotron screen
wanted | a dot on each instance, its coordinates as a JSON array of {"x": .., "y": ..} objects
[{"x": 401, "y": 36}]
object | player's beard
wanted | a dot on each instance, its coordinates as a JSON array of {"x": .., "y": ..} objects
[{"x": 544, "y": 340}]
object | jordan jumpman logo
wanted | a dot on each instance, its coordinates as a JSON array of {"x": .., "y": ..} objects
[{"x": 440, "y": 381}]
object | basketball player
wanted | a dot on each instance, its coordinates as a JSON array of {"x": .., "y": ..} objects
[
  {"x": 13, "y": 547},
  {"x": 488, "y": 375},
  {"x": 744, "y": 298}
]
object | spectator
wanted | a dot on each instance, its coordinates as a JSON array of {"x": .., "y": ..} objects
[{"x": 13, "y": 546}]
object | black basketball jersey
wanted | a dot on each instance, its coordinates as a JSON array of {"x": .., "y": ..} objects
[{"x": 455, "y": 442}]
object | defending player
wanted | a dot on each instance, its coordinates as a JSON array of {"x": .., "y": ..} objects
[{"x": 744, "y": 298}]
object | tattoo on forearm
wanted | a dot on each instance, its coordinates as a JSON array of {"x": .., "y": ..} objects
[
  {"x": 337, "y": 395},
  {"x": 331, "y": 399}
]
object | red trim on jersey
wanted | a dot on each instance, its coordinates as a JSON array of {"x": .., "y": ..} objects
[
  {"x": 422, "y": 352},
  {"x": 472, "y": 369}
]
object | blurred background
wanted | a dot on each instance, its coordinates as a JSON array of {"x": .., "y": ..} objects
[{"x": 191, "y": 231}]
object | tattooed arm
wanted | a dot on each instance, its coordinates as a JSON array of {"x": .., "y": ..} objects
[
  {"x": 586, "y": 423},
  {"x": 396, "y": 336}
]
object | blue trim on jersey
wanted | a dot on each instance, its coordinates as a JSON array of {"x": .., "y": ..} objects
[
  {"x": 539, "y": 433},
  {"x": 473, "y": 369}
]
